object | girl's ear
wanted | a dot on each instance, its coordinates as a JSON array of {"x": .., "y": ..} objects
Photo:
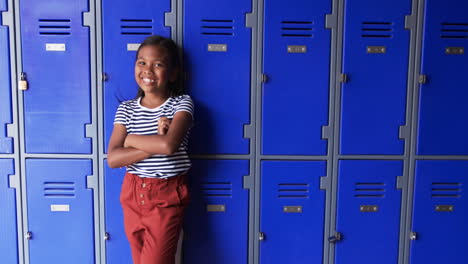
[{"x": 174, "y": 74}]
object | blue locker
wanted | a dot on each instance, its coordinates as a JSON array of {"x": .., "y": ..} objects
[
  {"x": 368, "y": 211},
  {"x": 117, "y": 246},
  {"x": 8, "y": 224},
  {"x": 6, "y": 144},
  {"x": 56, "y": 62},
  {"x": 60, "y": 211},
  {"x": 442, "y": 108},
  {"x": 217, "y": 48},
  {"x": 296, "y": 60},
  {"x": 440, "y": 212},
  {"x": 216, "y": 221},
  {"x": 375, "y": 60},
  {"x": 125, "y": 25},
  {"x": 292, "y": 212}
]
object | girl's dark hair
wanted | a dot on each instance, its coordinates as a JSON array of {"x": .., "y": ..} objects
[{"x": 174, "y": 88}]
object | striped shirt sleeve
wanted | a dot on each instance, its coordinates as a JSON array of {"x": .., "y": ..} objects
[
  {"x": 185, "y": 104},
  {"x": 121, "y": 116}
]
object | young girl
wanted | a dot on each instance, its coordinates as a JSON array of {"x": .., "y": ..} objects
[{"x": 150, "y": 137}]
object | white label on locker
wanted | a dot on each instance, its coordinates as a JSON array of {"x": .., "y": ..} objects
[
  {"x": 455, "y": 50},
  {"x": 60, "y": 207},
  {"x": 55, "y": 46},
  {"x": 297, "y": 49},
  {"x": 376, "y": 49},
  {"x": 132, "y": 46},
  {"x": 217, "y": 47}
]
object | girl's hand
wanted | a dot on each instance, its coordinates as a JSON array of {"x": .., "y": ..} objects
[{"x": 163, "y": 125}]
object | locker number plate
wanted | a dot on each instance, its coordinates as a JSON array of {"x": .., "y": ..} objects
[
  {"x": 369, "y": 208},
  {"x": 60, "y": 208},
  {"x": 376, "y": 49},
  {"x": 292, "y": 209},
  {"x": 444, "y": 208},
  {"x": 216, "y": 208},
  {"x": 297, "y": 49},
  {"x": 217, "y": 47},
  {"x": 455, "y": 50},
  {"x": 55, "y": 47},
  {"x": 132, "y": 46}
]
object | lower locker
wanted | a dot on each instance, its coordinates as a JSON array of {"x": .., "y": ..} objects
[
  {"x": 368, "y": 211},
  {"x": 8, "y": 233},
  {"x": 117, "y": 246},
  {"x": 60, "y": 211},
  {"x": 292, "y": 212},
  {"x": 440, "y": 212},
  {"x": 216, "y": 221}
]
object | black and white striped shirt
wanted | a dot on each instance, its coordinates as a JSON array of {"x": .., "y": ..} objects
[{"x": 141, "y": 120}]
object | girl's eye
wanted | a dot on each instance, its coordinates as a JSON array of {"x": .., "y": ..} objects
[
  {"x": 141, "y": 63},
  {"x": 158, "y": 65}
]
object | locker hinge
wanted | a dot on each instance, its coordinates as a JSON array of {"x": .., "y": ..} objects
[
  {"x": 250, "y": 20},
  {"x": 404, "y": 132},
  {"x": 324, "y": 183},
  {"x": 343, "y": 78},
  {"x": 88, "y": 19},
  {"x": 330, "y": 21},
  {"x": 29, "y": 235},
  {"x": 249, "y": 131},
  {"x": 410, "y": 21},
  {"x": 422, "y": 78},
  {"x": 261, "y": 236},
  {"x": 106, "y": 236},
  {"x": 326, "y": 132},
  {"x": 170, "y": 19},
  {"x": 413, "y": 235},
  {"x": 7, "y": 18},
  {"x": 23, "y": 82},
  {"x": 248, "y": 182},
  {"x": 13, "y": 182},
  {"x": 11, "y": 130},
  {"x": 335, "y": 238},
  {"x": 400, "y": 182},
  {"x": 104, "y": 77},
  {"x": 263, "y": 78},
  {"x": 91, "y": 182}
]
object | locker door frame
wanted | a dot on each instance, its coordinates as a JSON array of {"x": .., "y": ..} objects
[{"x": 88, "y": 20}]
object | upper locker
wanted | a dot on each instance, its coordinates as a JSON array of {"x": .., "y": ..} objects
[
  {"x": 296, "y": 63},
  {"x": 217, "y": 48},
  {"x": 56, "y": 63},
  {"x": 125, "y": 25},
  {"x": 375, "y": 64},
  {"x": 443, "y": 94},
  {"x": 6, "y": 144}
]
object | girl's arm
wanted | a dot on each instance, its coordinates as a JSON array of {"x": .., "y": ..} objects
[
  {"x": 163, "y": 144},
  {"x": 117, "y": 154}
]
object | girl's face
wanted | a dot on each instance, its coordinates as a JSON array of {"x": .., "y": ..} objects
[{"x": 152, "y": 69}]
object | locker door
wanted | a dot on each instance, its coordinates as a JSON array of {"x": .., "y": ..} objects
[
  {"x": 217, "y": 48},
  {"x": 297, "y": 63},
  {"x": 443, "y": 109},
  {"x": 117, "y": 246},
  {"x": 368, "y": 212},
  {"x": 60, "y": 211},
  {"x": 216, "y": 221},
  {"x": 56, "y": 62},
  {"x": 5, "y": 85},
  {"x": 125, "y": 25},
  {"x": 440, "y": 212},
  {"x": 292, "y": 212},
  {"x": 8, "y": 233},
  {"x": 375, "y": 59}
]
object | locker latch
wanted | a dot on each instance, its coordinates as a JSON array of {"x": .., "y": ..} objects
[
  {"x": 337, "y": 237},
  {"x": 413, "y": 236},
  {"x": 261, "y": 236},
  {"x": 106, "y": 236},
  {"x": 23, "y": 83},
  {"x": 264, "y": 78},
  {"x": 343, "y": 78},
  {"x": 422, "y": 78},
  {"x": 28, "y": 235}
]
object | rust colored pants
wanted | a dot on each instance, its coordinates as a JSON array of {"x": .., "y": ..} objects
[{"x": 153, "y": 211}]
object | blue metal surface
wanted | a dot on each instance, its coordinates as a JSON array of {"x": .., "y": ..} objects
[
  {"x": 296, "y": 95},
  {"x": 57, "y": 104},
  {"x": 292, "y": 237},
  {"x": 117, "y": 247},
  {"x": 6, "y": 144},
  {"x": 123, "y": 23},
  {"x": 8, "y": 224},
  {"x": 217, "y": 237},
  {"x": 368, "y": 237},
  {"x": 374, "y": 98},
  {"x": 218, "y": 81},
  {"x": 60, "y": 236},
  {"x": 442, "y": 118},
  {"x": 441, "y": 236}
]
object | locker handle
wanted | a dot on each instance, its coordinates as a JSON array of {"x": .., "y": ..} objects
[
  {"x": 337, "y": 237},
  {"x": 29, "y": 235}
]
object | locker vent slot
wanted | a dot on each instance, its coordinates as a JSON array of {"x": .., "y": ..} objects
[
  {"x": 446, "y": 190},
  {"x": 377, "y": 30},
  {"x": 136, "y": 26},
  {"x": 369, "y": 190},
  {"x": 454, "y": 30},
  {"x": 223, "y": 27},
  {"x": 297, "y": 29},
  {"x": 216, "y": 189},
  {"x": 293, "y": 190},
  {"x": 59, "y": 189},
  {"x": 58, "y": 27}
]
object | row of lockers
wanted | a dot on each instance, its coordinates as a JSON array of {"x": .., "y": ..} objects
[
  {"x": 297, "y": 59},
  {"x": 369, "y": 207}
]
